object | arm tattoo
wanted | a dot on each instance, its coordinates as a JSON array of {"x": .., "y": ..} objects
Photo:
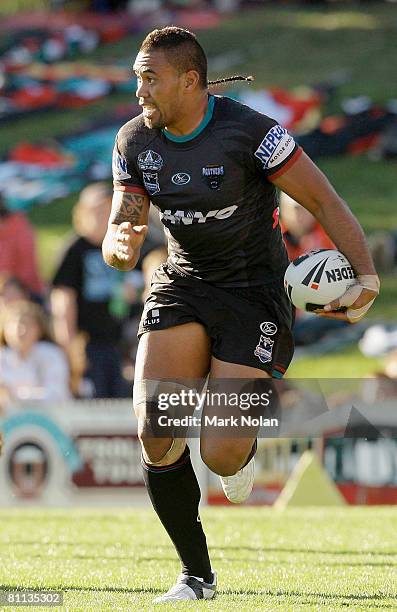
[{"x": 129, "y": 209}]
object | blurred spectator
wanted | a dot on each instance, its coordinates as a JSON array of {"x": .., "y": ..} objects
[
  {"x": 18, "y": 249},
  {"x": 301, "y": 231},
  {"x": 31, "y": 366},
  {"x": 383, "y": 247},
  {"x": 12, "y": 290},
  {"x": 87, "y": 296}
]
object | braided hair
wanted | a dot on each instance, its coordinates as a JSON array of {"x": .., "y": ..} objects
[{"x": 231, "y": 79}]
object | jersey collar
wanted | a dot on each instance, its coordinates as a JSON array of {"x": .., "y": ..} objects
[{"x": 206, "y": 119}]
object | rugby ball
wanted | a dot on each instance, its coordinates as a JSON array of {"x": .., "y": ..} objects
[{"x": 317, "y": 278}]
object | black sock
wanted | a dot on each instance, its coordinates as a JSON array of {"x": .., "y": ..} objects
[{"x": 175, "y": 495}]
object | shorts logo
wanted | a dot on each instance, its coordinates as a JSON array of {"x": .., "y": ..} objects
[
  {"x": 264, "y": 349},
  {"x": 152, "y": 317},
  {"x": 269, "y": 328},
  {"x": 150, "y": 160},
  {"x": 119, "y": 166},
  {"x": 275, "y": 147},
  {"x": 151, "y": 182},
  {"x": 181, "y": 178},
  {"x": 213, "y": 175}
]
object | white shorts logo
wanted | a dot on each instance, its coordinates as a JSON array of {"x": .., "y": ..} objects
[
  {"x": 275, "y": 147},
  {"x": 264, "y": 349},
  {"x": 152, "y": 317},
  {"x": 269, "y": 328}
]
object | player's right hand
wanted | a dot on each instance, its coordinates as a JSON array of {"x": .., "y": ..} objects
[
  {"x": 128, "y": 240},
  {"x": 356, "y": 301}
]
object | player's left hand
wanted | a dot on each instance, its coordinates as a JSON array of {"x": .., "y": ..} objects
[{"x": 355, "y": 302}]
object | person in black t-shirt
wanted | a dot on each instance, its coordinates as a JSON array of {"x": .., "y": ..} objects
[
  {"x": 83, "y": 291},
  {"x": 217, "y": 307}
]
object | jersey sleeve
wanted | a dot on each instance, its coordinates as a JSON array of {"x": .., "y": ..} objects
[
  {"x": 125, "y": 174},
  {"x": 275, "y": 149}
]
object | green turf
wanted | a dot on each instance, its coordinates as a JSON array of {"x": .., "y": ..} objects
[{"x": 311, "y": 559}]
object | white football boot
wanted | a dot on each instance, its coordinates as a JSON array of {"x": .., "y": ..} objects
[
  {"x": 189, "y": 588},
  {"x": 238, "y": 487}
]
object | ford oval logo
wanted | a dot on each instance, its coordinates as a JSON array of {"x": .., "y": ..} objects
[{"x": 181, "y": 178}]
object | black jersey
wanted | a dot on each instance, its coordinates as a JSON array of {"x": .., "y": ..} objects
[{"x": 213, "y": 192}]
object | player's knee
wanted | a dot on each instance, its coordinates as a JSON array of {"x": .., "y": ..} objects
[
  {"x": 224, "y": 460},
  {"x": 158, "y": 446},
  {"x": 160, "y": 452},
  {"x": 154, "y": 449}
]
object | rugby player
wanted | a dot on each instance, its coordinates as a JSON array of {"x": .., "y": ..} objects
[{"x": 211, "y": 167}]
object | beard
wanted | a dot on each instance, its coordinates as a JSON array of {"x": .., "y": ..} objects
[{"x": 154, "y": 121}]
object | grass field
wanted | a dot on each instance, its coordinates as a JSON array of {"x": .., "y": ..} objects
[{"x": 302, "y": 559}]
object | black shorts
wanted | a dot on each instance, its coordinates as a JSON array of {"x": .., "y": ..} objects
[{"x": 247, "y": 325}]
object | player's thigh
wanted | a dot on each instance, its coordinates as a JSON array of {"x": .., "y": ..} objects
[
  {"x": 183, "y": 351},
  {"x": 223, "y": 369},
  {"x": 226, "y": 447},
  {"x": 168, "y": 361}
]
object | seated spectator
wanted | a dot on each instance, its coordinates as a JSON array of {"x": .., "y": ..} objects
[
  {"x": 85, "y": 297},
  {"x": 301, "y": 231},
  {"x": 18, "y": 249},
  {"x": 31, "y": 366}
]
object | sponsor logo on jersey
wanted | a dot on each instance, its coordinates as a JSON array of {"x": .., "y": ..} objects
[
  {"x": 264, "y": 349},
  {"x": 150, "y": 160},
  {"x": 152, "y": 317},
  {"x": 275, "y": 147},
  {"x": 181, "y": 178},
  {"x": 188, "y": 217},
  {"x": 213, "y": 175},
  {"x": 269, "y": 328},
  {"x": 119, "y": 166},
  {"x": 151, "y": 182}
]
